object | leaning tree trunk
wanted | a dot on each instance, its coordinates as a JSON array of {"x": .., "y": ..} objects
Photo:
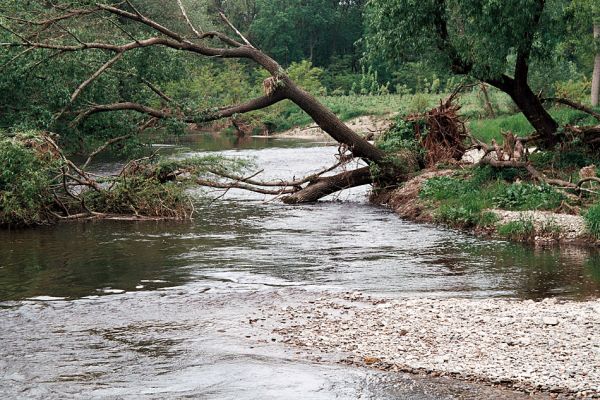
[
  {"x": 327, "y": 185},
  {"x": 533, "y": 109},
  {"x": 596, "y": 73},
  {"x": 331, "y": 124}
]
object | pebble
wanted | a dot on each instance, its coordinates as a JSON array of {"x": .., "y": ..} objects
[
  {"x": 550, "y": 321},
  {"x": 494, "y": 340}
]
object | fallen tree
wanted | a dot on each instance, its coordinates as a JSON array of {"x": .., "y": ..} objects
[
  {"x": 49, "y": 34},
  {"x": 442, "y": 139}
]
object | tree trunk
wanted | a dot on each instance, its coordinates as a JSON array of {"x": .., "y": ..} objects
[
  {"x": 327, "y": 185},
  {"x": 532, "y": 108},
  {"x": 331, "y": 124},
  {"x": 596, "y": 73},
  {"x": 486, "y": 99}
]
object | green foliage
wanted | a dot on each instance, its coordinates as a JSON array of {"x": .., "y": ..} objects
[
  {"x": 141, "y": 195},
  {"x": 469, "y": 214},
  {"x": 488, "y": 129},
  {"x": 525, "y": 196},
  {"x": 25, "y": 179},
  {"x": 400, "y": 141},
  {"x": 33, "y": 186},
  {"x": 521, "y": 230},
  {"x": 403, "y": 28},
  {"x": 306, "y": 76},
  {"x": 317, "y": 30},
  {"x": 592, "y": 220},
  {"x": 577, "y": 90},
  {"x": 461, "y": 202},
  {"x": 444, "y": 188}
]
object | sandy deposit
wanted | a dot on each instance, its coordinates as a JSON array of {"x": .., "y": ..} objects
[
  {"x": 545, "y": 346},
  {"x": 367, "y": 126}
]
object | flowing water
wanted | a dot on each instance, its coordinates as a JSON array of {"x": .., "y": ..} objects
[{"x": 111, "y": 309}]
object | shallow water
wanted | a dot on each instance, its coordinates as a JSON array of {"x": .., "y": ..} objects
[{"x": 125, "y": 309}]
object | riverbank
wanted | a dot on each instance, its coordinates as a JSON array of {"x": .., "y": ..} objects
[
  {"x": 370, "y": 126},
  {"x": 534, "y": 226},
  {"x": 549, "y": 346}
]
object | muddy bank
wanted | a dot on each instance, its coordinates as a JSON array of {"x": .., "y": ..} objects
[
  {"x": 549, "y": 347},
  {"x": 548, "y": 227}
]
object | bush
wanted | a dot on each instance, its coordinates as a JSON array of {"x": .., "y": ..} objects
[
  {"x": 522, "y": 230},
  {"x": 27, "y": 172},
  {"x": 525, "y": 196},
  {"x": 443, "y": 188},
  {"x": 592, "y": 220}
]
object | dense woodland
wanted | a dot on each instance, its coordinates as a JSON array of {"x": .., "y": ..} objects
[{"x": 112, "y": 76}]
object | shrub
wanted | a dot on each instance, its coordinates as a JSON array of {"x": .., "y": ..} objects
[
  {"x": 592, "y": 220},
  {"x": 525, "y": 196},
  {"x": 443, "y": 188},
  {"x": 522, "y": 229},
  {"x": 466, "y": 212},
  {"x": 400, "y": 138},
  {"x": 27, "y": 171}
]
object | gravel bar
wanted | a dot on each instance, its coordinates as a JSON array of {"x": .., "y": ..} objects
[{"x": 548, "y": 346}]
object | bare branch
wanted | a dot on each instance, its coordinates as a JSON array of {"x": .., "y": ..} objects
[
  {"x": 205, "y": 116},
  {"x": 50, "y": 21},
  {"x": 282, "y": 183},
  {"x": 95, "y": 75},
  {"x": 103, "y": 147},
  {"x": 574, "y": 105},
  {"x": 189, "y": 22},
  {"x": 19, "y": 55},
  {"x": 224, "y": 18},
  {"x": 239, "y": 185}
]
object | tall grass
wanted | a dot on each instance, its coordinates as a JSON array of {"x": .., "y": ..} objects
[{"x": 488, "y": 129}]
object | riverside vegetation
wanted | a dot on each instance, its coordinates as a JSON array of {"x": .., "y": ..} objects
[{"x": 121, "y": 102}]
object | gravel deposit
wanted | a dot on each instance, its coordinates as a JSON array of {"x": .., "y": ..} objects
[
  {"x": 366, "y": 125},
  {"x": 548, "y": 346},
  {"x": 569, "y": 227}
]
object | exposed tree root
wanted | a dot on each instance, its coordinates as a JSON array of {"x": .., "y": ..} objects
[{"x": 445, "y": 132}]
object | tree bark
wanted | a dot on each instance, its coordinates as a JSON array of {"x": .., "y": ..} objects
[
  {"x": 596, "y": 73},
  {"x": 531, "y": 106},
  {"x": 327, "y": 185},
  {"x": 331, "y": 124}
]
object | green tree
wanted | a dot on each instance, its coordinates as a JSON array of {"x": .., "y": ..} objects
[
  {"x": 495, "y": 42},
  {"x": 293, "y": 30}
]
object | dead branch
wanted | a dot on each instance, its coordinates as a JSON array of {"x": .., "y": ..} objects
[
  {"x": 202, "y": 116},
  {"x": 103, "y": 147},
  {"x": 588, "y": 179},
  {"x": 94, "y": 76},
  {"x": 187, "y": 19},
  {"x": 224, "y": 18},
  {"x": 573, "y": 104},
  {"x": 293, "y": 183},
  {"x": 244, "y": 186}
]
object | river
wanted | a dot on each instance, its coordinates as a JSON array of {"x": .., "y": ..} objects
[{"x": 112, "y": 309}]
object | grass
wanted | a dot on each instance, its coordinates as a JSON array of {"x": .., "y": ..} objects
[
  {"x": 462, "y": 200},
  {"x": 592, "y": 220},
  {"x": 286, "y": 115},
  {"x": 488, "y": 129},
  {"x": 520, "y": 230}
]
